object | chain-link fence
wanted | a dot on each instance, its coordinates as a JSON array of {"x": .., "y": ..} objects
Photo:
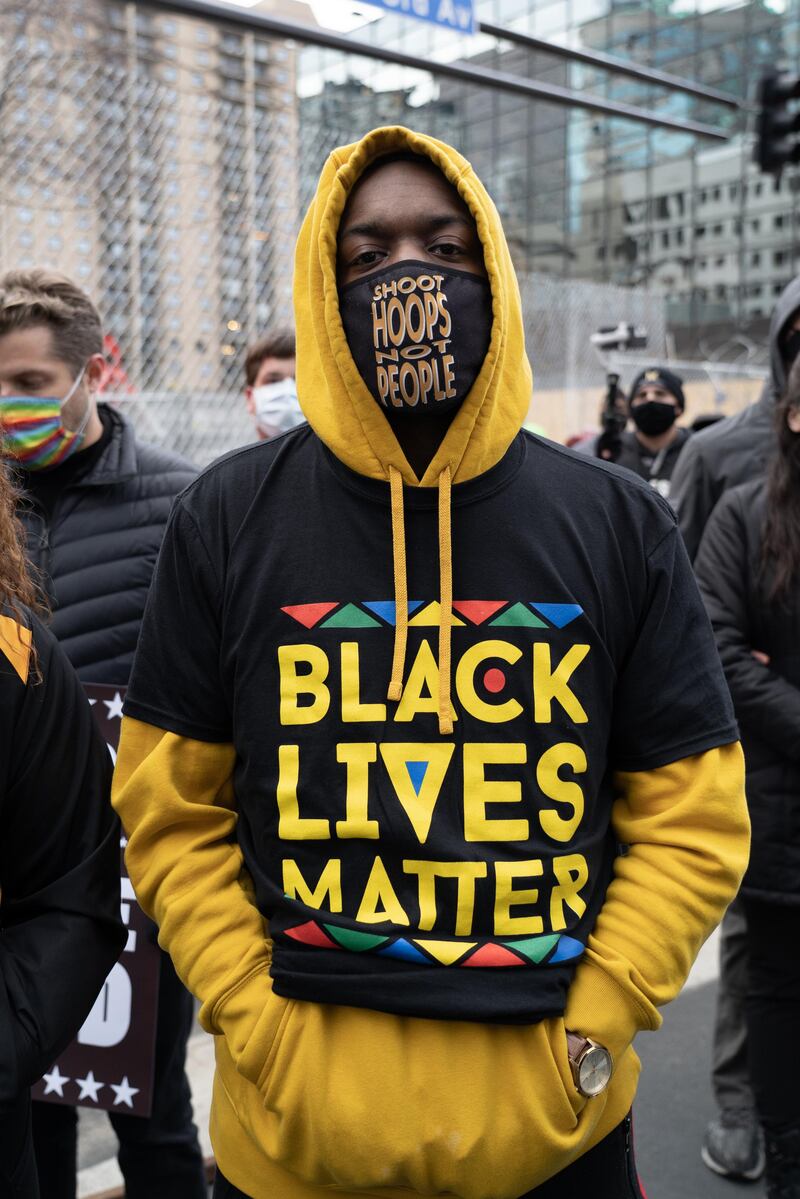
[{"x": 164, "y": 162}]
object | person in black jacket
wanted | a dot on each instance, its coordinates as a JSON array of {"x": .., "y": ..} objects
[
  {"x": 651, "y": 450},
  {"x": 728, "y": 454},
  {"x": 95, "y": 503},
  {"x": 60, "y": 925},
  {"x": 748, "y": 568}
]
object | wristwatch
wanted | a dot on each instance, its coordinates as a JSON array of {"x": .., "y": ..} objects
[{"x": 590, "y": 1064}]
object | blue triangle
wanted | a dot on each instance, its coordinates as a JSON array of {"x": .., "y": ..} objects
[
  {"x": 386, "y": 608},
  {"x": 567, "y": 949},
  {"x": 559, "y": 614},
  {"x": 404, "y": 951},
  {"x": 416, "y": 772}
]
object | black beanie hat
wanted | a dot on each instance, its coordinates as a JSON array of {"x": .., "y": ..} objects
[{"x": 662, "y": 378}]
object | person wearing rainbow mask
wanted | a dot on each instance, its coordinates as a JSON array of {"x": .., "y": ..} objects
[{"x": 94, "y": 504}]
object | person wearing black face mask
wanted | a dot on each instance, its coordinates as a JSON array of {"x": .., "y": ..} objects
[{"x": 652, "y": 448}]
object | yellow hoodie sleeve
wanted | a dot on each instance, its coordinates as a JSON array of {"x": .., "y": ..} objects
[
  {"x": 686, "y": 829},
  {"x": 175, "y": 799}
]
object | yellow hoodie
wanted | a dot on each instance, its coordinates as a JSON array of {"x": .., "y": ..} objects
[{"x": 338, "y": 1063}]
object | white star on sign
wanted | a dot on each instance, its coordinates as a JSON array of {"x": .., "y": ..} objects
[
  {"x": 114, "y": 707},
  {"x": 89, "y": 1086},
  {"x": 54, "y": 1082},
  {"x": 124, "y": 1091}
]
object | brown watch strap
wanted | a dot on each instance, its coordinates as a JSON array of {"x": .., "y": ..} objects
[{"x": 575, "y": 1045}]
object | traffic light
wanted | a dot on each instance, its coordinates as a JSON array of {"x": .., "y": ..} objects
[{"x": 776, "y": 122}]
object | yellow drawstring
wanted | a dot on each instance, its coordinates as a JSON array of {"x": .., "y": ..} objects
[
  {"x": 446, "y": 603},
  {"x": 401, "y": 595},
  {"x": 400, "y": 585}
]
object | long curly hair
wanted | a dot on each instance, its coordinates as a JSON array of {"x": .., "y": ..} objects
[
  {"x": 17, "y": 587},
  {"x": 780, "y": 543}
]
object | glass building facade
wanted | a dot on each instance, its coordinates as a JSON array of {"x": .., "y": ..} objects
[{"x": 586, "y": 196}]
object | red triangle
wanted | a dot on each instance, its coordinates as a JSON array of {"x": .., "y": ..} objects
[
  {"x": 478, "y": 610},
  {"x": 310, "y": 934},
  {"x": 309, "y": 614},
  {"x": 493, "y": 955}
]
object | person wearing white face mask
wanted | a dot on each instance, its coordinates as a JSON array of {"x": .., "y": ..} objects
[{"x": 271, "y": 391}]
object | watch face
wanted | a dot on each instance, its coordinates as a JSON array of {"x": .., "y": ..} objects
[{"x": 594, "y": 1072}]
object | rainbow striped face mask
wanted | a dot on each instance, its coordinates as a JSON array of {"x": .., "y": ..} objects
[{"x": 32, "y": 431}]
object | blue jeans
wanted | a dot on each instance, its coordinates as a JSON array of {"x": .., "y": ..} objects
[
  {"x": 606, "y": 1172},
  {"x": 159, "y": 1156}
]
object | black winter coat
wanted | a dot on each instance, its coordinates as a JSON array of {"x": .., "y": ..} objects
[
  {"x": 766, "y": 698},
  {"x": 60, "y": 926},
  {"x": 97, "y": 551},
  {"x": 735, "y": 450}
]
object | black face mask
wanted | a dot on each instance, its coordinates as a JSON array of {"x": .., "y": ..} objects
[
  {"x": 654, "y": 417},
  {"x": 418, "y": 334},
  {"x": 791, "y": 347}
]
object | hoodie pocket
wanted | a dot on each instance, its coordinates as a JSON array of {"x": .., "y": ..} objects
[
  {"x": 255, "y": 1061},
  {"x": 363, "y": 1100}
]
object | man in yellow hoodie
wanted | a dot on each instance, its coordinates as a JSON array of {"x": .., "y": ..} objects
[{"x": 429, "y": 773}]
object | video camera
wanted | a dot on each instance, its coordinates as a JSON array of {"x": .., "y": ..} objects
[{"x": 622, "y": 336}]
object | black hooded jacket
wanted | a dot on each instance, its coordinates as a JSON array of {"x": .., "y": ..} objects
[
  {"x": 60, "y": 926},
  {"x": 766, "y": 696},
  {"x": 735, "y": 450},
  {"x": 97, "y": 547}
]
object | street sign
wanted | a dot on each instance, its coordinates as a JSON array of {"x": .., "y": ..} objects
[
  {"x": 110, "y": 1063},
  {"x": 452, "y": 14}
]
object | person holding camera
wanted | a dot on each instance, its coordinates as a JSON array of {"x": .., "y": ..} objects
[{"x": 652, "y": 448}]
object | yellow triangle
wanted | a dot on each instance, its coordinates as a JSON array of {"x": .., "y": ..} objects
[
  {"x": 15, "y": 644},
  {"x": 446, "y": 952},
  {"x": 418, "y": 807},
  {"x": 432, "y": 615}
]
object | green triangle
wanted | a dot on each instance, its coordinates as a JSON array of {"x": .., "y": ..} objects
[
  {"x": 519, "y": 614},
  {"x": 348, "y": 938},
  {"x": 534, "y": 948},
  {"x": 350, "y": 617}
]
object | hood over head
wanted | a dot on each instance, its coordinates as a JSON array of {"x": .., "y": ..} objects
[
  {"x": 334, "y": 397},
  {"x": 787, "y": 304}
]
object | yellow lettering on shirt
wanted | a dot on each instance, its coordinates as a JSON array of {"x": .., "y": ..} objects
[
  {"x": 480, "y": 791},
  {"x": 549, "y": 684},
  {"x": 572, "y": 874},
  {"x": 561, "y": 828},
  {"x": 465, "y": 682},
  {"x": 418, "y": 805},
  {"x": 291, "y": 825},
  {"x": 465, "y": 872},
  {"x": 506, "y": 897},
  {"x": 424, "y": 675},
  {"x": 379, "y": 902},
  {"x": 295, "y": 683},
  {"x": 326, "y": 894},
  {"x": 357, "y": 758},
  {"x": 353, "y": 710}
]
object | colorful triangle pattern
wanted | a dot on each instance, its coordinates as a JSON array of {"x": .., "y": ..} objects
[
  {"x": 477, "y": 611},
  {"x": 351, "y": 938},
  {"x": 559, "y": 614},
  {"x": 416, "y": 772},
  {"x": 387, "y": 609},
  {"x": 519, "y": 614},
  {"x": 490, "y": 954},
  {"x": 350, "y": 617},
  {"x": 432, "y": 615},
  {"x": 493, "y": 955},
  {"x": 309, "y": 614}
]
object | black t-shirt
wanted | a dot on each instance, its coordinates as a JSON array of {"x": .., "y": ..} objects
[{"x": 388, "y": 858}]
